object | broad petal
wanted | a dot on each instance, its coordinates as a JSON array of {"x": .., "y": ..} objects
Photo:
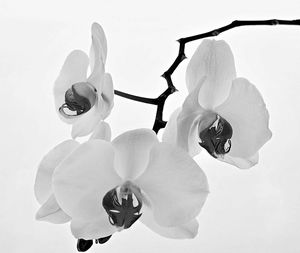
[
  {"x": 170, "y": 131},
  {"x": 174, "y": 184},
  {"x": 188, "y": 230},
  {"x": 188, "y": 122},
  {"x": 102, "y": 131},
  {"x": 242, "y": 163},
  {"x": 81, "y": 181},
  {"x": 214, "y": 61},
  {"x": 51, "y": 212},
  {"x": 107, "y": 96},
  {"x": 43, "y": 180},
  {"x": 88, "y": 230},
  {"x": 246, "y": 111},
  {"x": 132, "y": 150},
  {"x": 86, "y": 123},
  {"x": 97, "y": 56},
  {"x": 73, "y": 71}
]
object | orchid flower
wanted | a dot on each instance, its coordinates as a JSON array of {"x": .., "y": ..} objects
[
  {"x": 107, "y": 186},
  {"x": 223, "y": 114},
  {"x": 50, "y": 211},
  {"x": 80, "y": 100}
]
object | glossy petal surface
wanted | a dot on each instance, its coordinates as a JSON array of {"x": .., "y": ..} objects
[
  {"x": 246, "y": 111},
  {"x": 86, "y": 123},
  {"x": 92, "y": 229},
  {"x": 242, "y": 163},
  {"x": 174, "y": 184},
  {"x": 51, "y": 212},
  {"x": 213, "y": 60},
  {"x": 81, "y": 181},
  {"x": 187, "y": 230},
  {"x": 170, "y": 131},
  {"x": 132, "y": 150},
  {"x": 102, "y": 131},
  {"x": 187, "y": 123},
  {"x": 97, "y": 57},
  {"x": 43, "y": 187},
  {"x": 107, "y": 96}
]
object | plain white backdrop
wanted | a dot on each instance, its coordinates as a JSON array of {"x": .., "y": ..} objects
[{"x": 256, "y": 210}]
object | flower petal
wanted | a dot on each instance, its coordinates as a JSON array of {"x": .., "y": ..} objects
[
  {"x": 242, "y": 163},
  {"x": 132, "y": 150},
  {"x": 51, "y": 212},
  {"x": 214, "y": 61},
  {"x": 107, "y": 96},
  {"x": 81, "y": 181},
  {"x": 92, "y": 229},
  {"x": 246, "y": 111},
  {"x": 73, "y": 71},
  {"x": 86, "y": 123},
  {"x": 97, "y": 56},
  {"x": 187, "y": 230},
  {"x": 99, "y": 35},
  {"x": 102, "y": 131},
  {"x": 43, "y": 181},
  {"x": 170, "y": 131},
  {"x": 188, "y": 122},
  {"x": 174, "y": 184}
]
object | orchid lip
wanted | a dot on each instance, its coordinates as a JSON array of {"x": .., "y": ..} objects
[
  {"x": 123, "y": 205},
  {"x": 216, "y": 138},
  {"x": 79, "y": 99}
]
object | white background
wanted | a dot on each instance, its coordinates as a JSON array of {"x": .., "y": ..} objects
[{"x": 256, "y": 210}]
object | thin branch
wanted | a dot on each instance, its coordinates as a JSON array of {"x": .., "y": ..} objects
[
  {"x": 151, "y": 101},
  {"x": 160, "y": 101}
]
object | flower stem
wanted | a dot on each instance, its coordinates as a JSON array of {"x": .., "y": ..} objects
[
  {"x": 151, "y": 101},
  {"x": 159, "y": 123}
]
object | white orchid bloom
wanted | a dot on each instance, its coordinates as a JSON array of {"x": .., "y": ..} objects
[
  {"x": 106, "y": 186},
  {"x": 80, "y": 100},
  {"x": 224, "y": 114},
  {"x": 50, "y": 211}
]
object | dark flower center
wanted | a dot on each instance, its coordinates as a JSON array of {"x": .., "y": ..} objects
[
  {"x": 123, "y": 209},
  {"x": 216, "y": 137},
  {"x": 84, "y": 245},
  {"x": 79, "y": 99}
]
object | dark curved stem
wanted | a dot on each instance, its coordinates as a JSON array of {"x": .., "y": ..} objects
[
  {"x": 160, "y": 101},
  {"x": 151, "y": 101}
]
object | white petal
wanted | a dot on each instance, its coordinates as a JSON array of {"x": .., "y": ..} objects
[
  {"x": 102, "y": 131},
  {"x": 107, "y": 96},
  {"x": 97, "y": 56},
  {"x": 187, "y": 230},
  {"x": 132, "y": 150},
  {"x": 92, "y": 229},
  {"x": 174, "y": 184},
  {"x": 42, "y": 186},
  {"x": 99, "y": 35},
  {"x": 86, "y": 123},
  {"x": 246, "y": 111},
  {"x": 51, "y": 212},
  {"x": 213, "y": 60},
  {"x": 188, "y": 122},
  {"x": 81, "y": 181},
  {"x": 242, "y": 163},
  {"x": 170, "y": 131},
  {"x": 73, "y": 71}
]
